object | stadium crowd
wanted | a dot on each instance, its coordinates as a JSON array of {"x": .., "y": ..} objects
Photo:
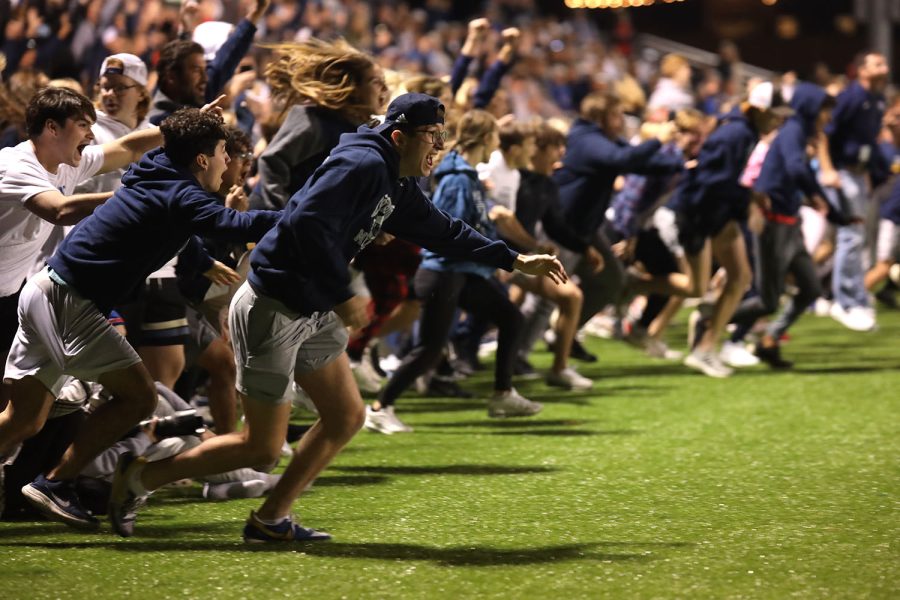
[{"x": 235, "y": 209}]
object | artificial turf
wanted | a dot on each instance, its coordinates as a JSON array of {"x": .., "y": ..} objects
[{"x": 660, "y": 483}]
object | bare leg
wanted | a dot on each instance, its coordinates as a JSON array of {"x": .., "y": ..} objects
[
  {"x": 341, "y": 414},
  {"x": 165, "y": 363},
  {"x": 218, "y": 361},
  {"x": 258, "y": 443},
  {"x": 133, "y": 399},
  {"x": 659, "y": 325},
  {"x": 730, "y": 252},
  {"x": 568, "y": 298},
  {"x": 25, "y": 415},
  {"x": 878, "y": 273}
]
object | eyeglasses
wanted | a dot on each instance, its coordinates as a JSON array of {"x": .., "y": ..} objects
[
  {"x": 118, "y": 90},
  {"x": 242, "y": 156},
  {"x": 438, "y": 136}
]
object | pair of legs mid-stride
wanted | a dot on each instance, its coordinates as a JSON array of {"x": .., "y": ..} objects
[{"x": 273, "y": 346}]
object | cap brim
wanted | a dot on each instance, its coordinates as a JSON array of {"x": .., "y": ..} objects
[{"x": 782, "y": 111}]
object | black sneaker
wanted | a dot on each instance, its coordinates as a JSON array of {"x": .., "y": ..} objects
[
  {"x": 58, "y": 501},
  {"x": 581, "y": 353},
  {"x": 886, "y": 296},
  {"x": 772, "y": 357},
  {"x": 446, "y": 388},
  {"x": 123, "y": 503}
]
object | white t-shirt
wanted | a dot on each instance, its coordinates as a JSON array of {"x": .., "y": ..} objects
[
  {"x": 23, "y": 233},
  {"x": 505, "y": 181},
  {"x": 105, "y": 130}
]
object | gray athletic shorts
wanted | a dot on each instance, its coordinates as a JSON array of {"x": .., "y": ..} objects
[
  {"x": 272, "y": 343},
  {"x": 201, "y": 335},
  {"x": 60, "y": 334}
]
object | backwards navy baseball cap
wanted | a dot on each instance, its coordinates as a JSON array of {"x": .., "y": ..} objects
[{"x": 411, "y": 110}]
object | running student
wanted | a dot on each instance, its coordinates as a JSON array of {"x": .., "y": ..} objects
[
  {"x": 168, "y": 196},
  {"x": 288, "y": 320}
]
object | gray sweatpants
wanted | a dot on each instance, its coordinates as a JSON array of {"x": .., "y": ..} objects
[{"x": 781, "y": 251}]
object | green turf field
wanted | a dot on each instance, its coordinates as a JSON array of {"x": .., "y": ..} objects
[{"x": 659, "y": 484}]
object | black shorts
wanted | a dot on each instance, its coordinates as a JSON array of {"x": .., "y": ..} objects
[
  {"x": 158, "y": 317},
  {"x": 698, "y": 224}
]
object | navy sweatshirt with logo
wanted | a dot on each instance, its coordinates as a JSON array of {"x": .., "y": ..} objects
[
  {"x": 357, "y": 193},
  {"x": 156, "y": 213}
]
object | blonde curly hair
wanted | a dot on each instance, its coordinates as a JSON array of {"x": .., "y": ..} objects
[{"x": 327, "y": 74}]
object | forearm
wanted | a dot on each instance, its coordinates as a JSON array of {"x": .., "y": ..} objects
[
  {"x": 79, "y": 206},
  {"x": 126, "y": 150},
  {"x": 512, "y": 230}
]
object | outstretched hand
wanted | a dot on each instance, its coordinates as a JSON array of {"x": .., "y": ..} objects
[
  {"x": 214, "y": 106},
  {"x": 222, "y": 274},
  {"x": 542, "y": 264}
]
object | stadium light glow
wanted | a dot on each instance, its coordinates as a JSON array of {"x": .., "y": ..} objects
[{"x": 617, "y": 3}]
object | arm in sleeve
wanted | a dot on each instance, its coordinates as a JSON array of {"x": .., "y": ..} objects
[
  {"x": 458, "y": 74},
  {"x": 623, "y": 158},
  {"x": 490, "y": 83},
  {"x": 627, "y": 205},
  {"x": 103, "y": 466},
  {"x": 417, "y": 220},
  {"x": 222, "y": 67},
  {"x": 209, "y": 218}
]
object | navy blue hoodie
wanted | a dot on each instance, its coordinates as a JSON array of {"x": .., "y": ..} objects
[
  {"x": 590, "y": 167},
  {"x": 854, "y": 128},
  {"x": 155, "y": 213},
  {"x": 460, "y": 194},
  {"x": 786, "y": 169},
  {"x": 721, "y": 162},
  {"x": 357, "y": 192}
]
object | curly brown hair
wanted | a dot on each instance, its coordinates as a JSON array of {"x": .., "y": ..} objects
[{"x": 189, "y": 132}]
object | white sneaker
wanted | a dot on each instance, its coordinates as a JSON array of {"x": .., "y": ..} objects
[
  {"x": 569, "y": 379},
  {"x": 707, "y": 363},
  {"x": 856, "y": 318},
  {"x": 378, "y": 421},
  {"x": 822, "y": 307},
  {"x": 512, "y": 404},
  {"x": 396, "y": 424},
  {"x": 736, "y": 355},
  {"x": 658, "y": 349},
  {"x": 300, "y": 399},
  {"x": 367, "y": 378},
  {"x": 600, "y": 326},
  {"x": 389, "y": 364}
]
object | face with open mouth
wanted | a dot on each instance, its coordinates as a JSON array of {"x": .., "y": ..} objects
[
  {"x": 425, "y": 145},
  {"x": 73, "y": 138},
  {"x": 119, "y": 96}
]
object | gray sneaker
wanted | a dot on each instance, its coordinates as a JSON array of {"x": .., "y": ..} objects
[
  {"x": 512, "y": 404},
  {"x": 707, "y": 363}
]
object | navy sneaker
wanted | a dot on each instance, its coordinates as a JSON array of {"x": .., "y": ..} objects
[
  {"x": 257, "y": 532},
  {"x": 123, "y": 503},
  {"x": 58, "y": 501}
]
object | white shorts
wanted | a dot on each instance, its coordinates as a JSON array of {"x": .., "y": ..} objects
[
  {"x": 272, "y": 343},
  {"x": 888, "y": 241},
  {"x": 60, "y": 333}
]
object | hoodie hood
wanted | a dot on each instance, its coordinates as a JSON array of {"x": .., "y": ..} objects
[
  {"x": 807, "y": 101},
  {"x": 156, "y": 166},
  {"x": 367, "y": 138},
  {"x": 454, "y": 163}
]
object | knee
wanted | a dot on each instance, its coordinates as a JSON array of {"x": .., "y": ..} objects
[
  {"x": 262, "y": 451},
  {"x": 346, "y": 424},
  {"x": 572, "y": 300}
]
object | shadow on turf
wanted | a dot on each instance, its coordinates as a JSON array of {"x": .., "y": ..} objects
[
  {"x": 446, "y": 469},
  {"x": 469, "y": 556}
]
